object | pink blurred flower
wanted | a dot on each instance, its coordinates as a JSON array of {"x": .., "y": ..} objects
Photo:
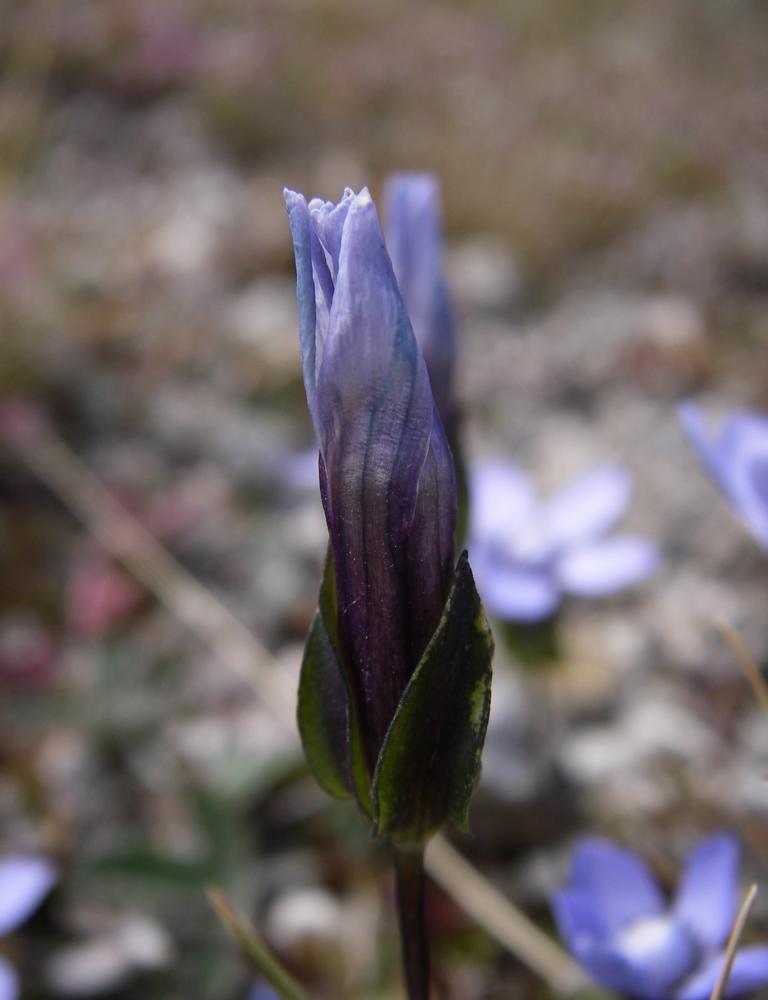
[{"x": 99, "y": 597}]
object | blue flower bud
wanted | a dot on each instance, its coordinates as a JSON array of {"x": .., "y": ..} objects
[
  {"x": 413, "y": 226},
  {"x": 386, "y": 473}
]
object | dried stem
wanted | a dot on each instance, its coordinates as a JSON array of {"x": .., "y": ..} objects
[
  {"x": 746, "y": 661},
  {"x": 733, "y": 943}
]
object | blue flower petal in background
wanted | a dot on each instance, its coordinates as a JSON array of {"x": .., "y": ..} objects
[
  {"x": 708, "y": 893},
  {"x": 588, "y": 506},
  {"x": 749, "y": 972},
  {"x": 9, "y": 982},
  {"x": 259, "y": 991},
  {"x": 527, "y": 552},
  {"x": 603, "y": 568},
  {"x": 617, "y": 880},
  {"x": 512, "y": 591},
  {"x": 414, "y": 234},
  {"x": 616, "y": 923},
  {"x": 503, "y": 498},
  {"x": 737, "y": 459},
  {"x": 25, "y": 881}
]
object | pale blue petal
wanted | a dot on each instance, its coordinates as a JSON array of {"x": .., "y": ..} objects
[
  {"x": 25, "y": 881},
  {"x": 662, "y": 947},
  {"x": 10, "y": 988},
  {"x": 708, "y": 897},
  {"x": 750, "y": 972},
  {"x": 413, "y": 227},
  {"x": 707, "y": 445},
  {"x": 611, "y": 969},
  {"x": 303, "y": 238},
  {"x": 502, "y": 497},
  {"x": 511, "y": 591},
  {"x": 603, "y": 568},
  {"x": 588, "y": 506},
  {"x": 737, "y": 459},
  {"x": 578, "y": 919},
  {"x": 623, "y": 888},
  {"x": 745, "y": 457}
]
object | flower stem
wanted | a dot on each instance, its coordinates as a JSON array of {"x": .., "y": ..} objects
[{"x": 409, "y": 887}]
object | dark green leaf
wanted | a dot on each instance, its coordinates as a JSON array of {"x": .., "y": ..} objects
[
  {"x": 430, "y": 762},
  {"x": 327, "y": 715},
  {"x": 145, "y": 864},
  {"x": 322, "y": 712}
]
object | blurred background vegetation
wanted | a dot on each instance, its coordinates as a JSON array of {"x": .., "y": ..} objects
[{"x": 604, "y": 167}]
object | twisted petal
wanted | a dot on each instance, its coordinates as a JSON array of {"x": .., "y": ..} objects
[
  {"x": 605, "y": 567},
  {"x": 304, "y": 240},
  {"x": 512, "y": 591},
  {"x": 25, "y": 881},
  {"x": 376, "y": 427},
  {"x": 749, "y": 972},
  {"x": 587, "y": 507},
  {"x": 429, "y": 546},
  {"x": 413, "y": 227},
  {"x": 622, "y": 887},
  {"x": 707, "y": 897},
  {"x": 10, "y": 988}
]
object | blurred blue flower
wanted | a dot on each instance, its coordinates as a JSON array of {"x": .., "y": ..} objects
[
  {"x": 386, "y": 473},
  {"x": 414, "y": 233},
  {"x": 261, "y": 991},
  {"x": 616, "y": 922},
  {"x": 25, "y": 881},
  {"x": 527, "y": 552},
  {"x": 737, "y": 459}
]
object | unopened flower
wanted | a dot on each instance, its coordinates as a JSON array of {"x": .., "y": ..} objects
[
  {"x": 617, "y": 923},
  {"x": 528, "y": 552},
  {"x": 414, "y": 234},
  {"x": 25, "y": 881},
  {"x": 394, "y": 691},
  {"x": 736, "y": 457},
  {"x": 386, "y": 474}
]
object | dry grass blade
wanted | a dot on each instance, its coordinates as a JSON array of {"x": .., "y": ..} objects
[
  {"x": 253, "y": 948},
  {"x": 747, "y": 663},
  {"x": 733, "y": 943},
  {"x": 231, "y": 643},
  {"x": 511, "y": 928}
]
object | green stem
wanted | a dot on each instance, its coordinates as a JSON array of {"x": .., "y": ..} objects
[{"x": 409, "y": 887}]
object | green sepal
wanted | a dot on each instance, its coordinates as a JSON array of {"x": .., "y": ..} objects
[
  {"x": 322, "y": 712},
  {"x": 327, "y": 715},
  {"x": 429, "y": 764}
]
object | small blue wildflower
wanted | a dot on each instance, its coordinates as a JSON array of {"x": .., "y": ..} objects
[
  {"x": 527, "y": 552},
  {"x": 737, "y": 459},
  {"x": 25, "y": 881},
  {"x": 616, "y": 922}
]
